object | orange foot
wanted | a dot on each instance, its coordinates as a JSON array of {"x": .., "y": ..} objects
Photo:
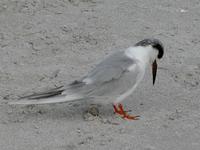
[{"x": 118, "y": 109}]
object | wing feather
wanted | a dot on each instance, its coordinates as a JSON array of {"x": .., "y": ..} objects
[{"x": 111, "y": 68}]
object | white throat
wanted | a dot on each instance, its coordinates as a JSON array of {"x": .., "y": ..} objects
[{"x": 145, "y": 55}]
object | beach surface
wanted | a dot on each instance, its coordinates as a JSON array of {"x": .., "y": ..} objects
[{"x": 49, "y": 43}]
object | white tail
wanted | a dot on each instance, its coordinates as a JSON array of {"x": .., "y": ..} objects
[{"x": 55, "y": 99}]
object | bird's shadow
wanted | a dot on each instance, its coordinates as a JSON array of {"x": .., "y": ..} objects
[{"x": 67, "y": 111}]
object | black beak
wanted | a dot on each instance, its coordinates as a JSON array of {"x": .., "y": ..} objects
[{"x": 154, "y": 71}]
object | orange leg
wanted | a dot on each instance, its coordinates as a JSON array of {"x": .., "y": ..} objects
[{"x": 118, "y": 109}]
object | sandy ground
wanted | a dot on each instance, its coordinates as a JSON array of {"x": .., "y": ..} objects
[{"x": 48, "y": 43}]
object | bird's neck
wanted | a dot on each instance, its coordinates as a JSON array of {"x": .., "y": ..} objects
[{"x": 140, "y": 53}]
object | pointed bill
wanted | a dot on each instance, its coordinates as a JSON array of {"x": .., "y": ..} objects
[{"x": 154, "y": 71}]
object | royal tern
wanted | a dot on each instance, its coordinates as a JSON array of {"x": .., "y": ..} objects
[{"x": 114, "y": 78}]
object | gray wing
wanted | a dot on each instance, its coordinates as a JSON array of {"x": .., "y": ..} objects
[
  {"x": 108, "y": 74},
  {"x": 110, "y": 68}
]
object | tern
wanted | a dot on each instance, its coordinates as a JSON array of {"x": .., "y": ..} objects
[{"x": 115, "y": 78}]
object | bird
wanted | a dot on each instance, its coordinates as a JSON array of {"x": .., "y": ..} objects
[{"x": 113, "y": 79}]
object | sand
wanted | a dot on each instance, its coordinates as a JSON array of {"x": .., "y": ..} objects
[{"x": 48, "y": 43}]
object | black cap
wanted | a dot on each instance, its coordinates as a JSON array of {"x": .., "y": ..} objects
[{"x": 155, "y": 43}]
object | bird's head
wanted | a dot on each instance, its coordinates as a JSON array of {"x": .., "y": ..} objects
[{"x": 157, "y": 53}]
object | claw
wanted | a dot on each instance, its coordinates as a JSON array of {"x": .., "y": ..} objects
[
  {"x": 130, "y": 117},
  {"x": 118, "y": 109}
]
